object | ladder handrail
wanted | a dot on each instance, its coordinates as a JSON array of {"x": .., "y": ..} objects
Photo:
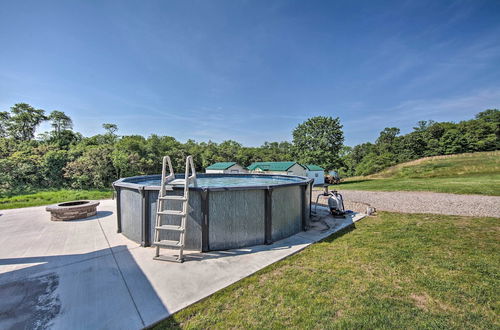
[
  {"x": 164, "y": 177},
  {"x": 188, "y": 178}
]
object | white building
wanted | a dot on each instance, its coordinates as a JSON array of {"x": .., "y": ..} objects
[
  {"x": 315, "y": 172},
  {"x": 225, "y": 167}
]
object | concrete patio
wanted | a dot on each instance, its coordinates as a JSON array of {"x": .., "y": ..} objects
[{"x": 82, "y": 274}]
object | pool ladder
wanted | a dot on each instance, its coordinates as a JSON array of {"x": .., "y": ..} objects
[{"x": 167, "y": 183}]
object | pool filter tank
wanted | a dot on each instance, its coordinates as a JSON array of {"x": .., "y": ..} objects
[{"x": 336, "y": 204}]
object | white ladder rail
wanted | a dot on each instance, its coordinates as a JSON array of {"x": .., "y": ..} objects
[
  {"x": 165, "y": 162},
  {"x": 189, "y": 176}
]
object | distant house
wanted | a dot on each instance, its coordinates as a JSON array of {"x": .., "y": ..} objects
[
  {"x": 290, "y": 168},
  {"x": 225, "y": 167},
  {"x": 315, "y": 172}
]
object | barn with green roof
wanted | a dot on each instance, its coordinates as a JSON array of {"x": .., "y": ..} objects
[
  {"x": 226, "y": 167},
  {"x": 290, "y": 168}
]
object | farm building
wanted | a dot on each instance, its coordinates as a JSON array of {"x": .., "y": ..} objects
[
  {"x": 290, "y": 168},
  {"x": 225, "y": 167},
  {"x": 315, "y": 172}
]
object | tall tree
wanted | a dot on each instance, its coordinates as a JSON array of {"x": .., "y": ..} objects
[
  {"x": 24, "y": 120},
  {"x": 388, "y": 135},
  {"x": 110, "y": 128},
  {"x": 109, "y": 137},
  {"x": 386, "y": 141},
  {"x": 59, "y": 122},
  {"x": 4, "y": 119},
  {"x": 318, "y": 141}
]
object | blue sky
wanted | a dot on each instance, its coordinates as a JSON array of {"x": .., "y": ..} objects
[{"x": 250, "y": 70}]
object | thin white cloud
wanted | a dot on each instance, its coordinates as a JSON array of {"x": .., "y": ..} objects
[{"x": 406, "y": 114}]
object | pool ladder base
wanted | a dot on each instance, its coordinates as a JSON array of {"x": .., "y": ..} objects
[{"x": 167, "y": 183}]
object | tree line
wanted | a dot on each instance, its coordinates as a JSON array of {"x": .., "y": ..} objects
[
  {"x": 428, "y": 138},
  {"x": 65, "y": 158}
]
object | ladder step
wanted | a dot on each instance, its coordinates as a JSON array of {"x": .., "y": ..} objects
[
  {"x": 170, "y": 227},
  {"x": 172, "y": 212},
  {"x": 167, "y": 243},
  {"x": 174, "y": 198}
]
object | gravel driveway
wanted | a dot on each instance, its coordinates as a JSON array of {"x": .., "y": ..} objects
[{"x": 423, "y": 202}]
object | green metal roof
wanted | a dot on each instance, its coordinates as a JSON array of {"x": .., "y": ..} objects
[
  {"x": 221, "y": 166},
  {"x": 271, "y": 166},
  {"x": 312, "y": 167}
]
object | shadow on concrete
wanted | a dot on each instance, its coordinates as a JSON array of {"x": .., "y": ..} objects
[
  {"x": 200, "y": 256},
  {"x": 30, "y": 297}
]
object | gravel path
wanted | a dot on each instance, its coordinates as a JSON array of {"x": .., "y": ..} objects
[{"x": 423, "y": 202}]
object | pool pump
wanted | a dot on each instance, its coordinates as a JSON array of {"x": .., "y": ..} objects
[{"x": 335, "y": 202}]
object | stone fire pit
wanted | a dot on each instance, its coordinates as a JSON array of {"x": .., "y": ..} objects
[{"x": 72, "y": 210}]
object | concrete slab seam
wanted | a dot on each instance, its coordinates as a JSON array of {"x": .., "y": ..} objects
[{"x": 121, "y": 274}]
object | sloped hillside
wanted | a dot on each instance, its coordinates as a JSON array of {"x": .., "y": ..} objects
[{"x": 471, "y": 173}]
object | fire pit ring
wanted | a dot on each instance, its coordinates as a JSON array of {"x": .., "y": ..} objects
[{"x": 72, "y": 210}]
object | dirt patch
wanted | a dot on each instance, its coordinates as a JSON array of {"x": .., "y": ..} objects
[{"x": 421, "y": 300}]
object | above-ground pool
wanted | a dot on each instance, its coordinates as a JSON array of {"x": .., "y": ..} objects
[{"x": 226, "y": 211}]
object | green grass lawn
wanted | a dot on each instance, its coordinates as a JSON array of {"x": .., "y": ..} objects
[
  {"x": 51, "y": 197},
  {"x": 475, "y": 173},
  {"x": 391, "y": 271}
]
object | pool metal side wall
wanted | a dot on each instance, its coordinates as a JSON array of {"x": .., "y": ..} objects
[
  {"x": 286, "y": 212},
  {"x": 236, "y": 219},
  {"x": 130, "y": 206},
  {"x": 219, "y": 219}
]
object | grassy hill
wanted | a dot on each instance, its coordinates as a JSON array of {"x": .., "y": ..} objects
[{"x": 472, "y": 173}]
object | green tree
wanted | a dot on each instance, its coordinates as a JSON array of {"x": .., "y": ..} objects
[
  {"x": 20, "y": 171},
  {"x": 110, "y": 136},
  {"x": 59, "y": 122},
  {"x": 387, "y": 138},
  {"x": 130, "y": 156},
  {"x": 209, "y": 153},
  {"x": 276, "y": 151},
  {"x": 4, "y": 120},
  {"x": 93, "y": 169},
  {"x": 423, "y": 125},
  {"x": 24, "y": 120},
  {"x": 53, "y": 163},
  {"x": 194, "y": 149},
  {"x": 229, "y": 150},
  {"x": 490, "y": 115},
  {"x": 318, "y": 140},
  {"x": 110, "y": 128}
]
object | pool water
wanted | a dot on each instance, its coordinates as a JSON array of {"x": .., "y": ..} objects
[{"x": 231, "y": 181}]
